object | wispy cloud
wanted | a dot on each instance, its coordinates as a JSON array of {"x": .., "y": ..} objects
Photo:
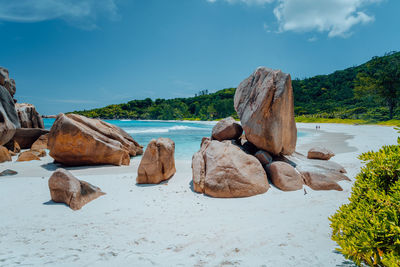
[
  {"x": 336, "y": 17},
  {"x": 80, "y": 13}
]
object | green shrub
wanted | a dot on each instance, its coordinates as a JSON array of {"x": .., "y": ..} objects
[{"x": 368, "y": 228}]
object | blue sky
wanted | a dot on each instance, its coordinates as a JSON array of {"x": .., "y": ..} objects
[{"x": 75, "y": 54}]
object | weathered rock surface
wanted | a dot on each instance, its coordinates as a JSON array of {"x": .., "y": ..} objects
[
  {"x": 284, "y": 176},
  {"x": 28, "y": 156},
  {"x": 320, "y": 153},
  {"x": 318, "y": 174},
  {"x": 77, "y": 140},
  {"x": 41, "y": 142},
  {"x": 264, "y": 103},
  {"x": 5, "y": 81},
  {"x": 65, "y": 188},
  {"x": 25, "y": 137},
  {"x": 222, "y": 169},
  {"x": 8, "y": 116},
  {"x": 8, "y": 172},
  {"x": 227, "y": 129},
  {"x": 158, "y": 162},
  {"x": 13, "y": 146},
  {"x": 28, "y": 116},
  {"x": 4, "y": 154}
]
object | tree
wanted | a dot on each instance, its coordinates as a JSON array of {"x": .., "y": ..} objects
[{"x": 382, "y": 78}]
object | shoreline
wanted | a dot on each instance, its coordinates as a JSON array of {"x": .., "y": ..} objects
[{"x": 154, "y": 224}]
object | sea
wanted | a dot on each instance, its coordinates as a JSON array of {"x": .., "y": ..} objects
[{"x": 187, "y": 135}]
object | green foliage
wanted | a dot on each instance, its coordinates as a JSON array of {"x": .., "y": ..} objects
[
  {"x": 203, "y": 106},
  {"x": 368, "y": 228},
  {"x": 381, "y": 78},
  {"x": 350, "y": 94}
]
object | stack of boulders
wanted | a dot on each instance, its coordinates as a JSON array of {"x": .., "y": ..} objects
[
  {"x": 20, "y": 124},
  {"x": 235, "y": 165}
]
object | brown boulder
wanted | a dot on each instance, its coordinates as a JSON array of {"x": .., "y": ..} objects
[
  {"x": 28, "y": 116},
  {"x": 320, "y": 153},
  {"x": 13, "y": 146},
  {"x": 284, "y": 176},
  {"x": 41, "y": 142},
  {"x": 65, "y": 188},
  {"x": 158, "y": 163},
  {"x": 77, "y": 140},
  {"x": 25, "y": 137},
  {"x": 28, "y": 156},
  {"x": 4, "y": 154},
  {"x": 318, "y": 174},
  {"x": 227, "y": 129},
  {"x": 222, "y": 169},
  {"x": 264, "y": 103},
  {"x": 8, "y": 116}
]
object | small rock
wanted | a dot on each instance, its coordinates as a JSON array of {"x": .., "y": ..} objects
[
  {"x": 227, "y": 129},
  {"x": 8, "y": 172},
  {"x": 4, "y": 154},
  {"x": 320, "y": 153},
  {"x": 13, "y": 146},
  {"x": 264, "y": 157},
  {"x": 284, "y": 176},
  {"x": 27, "y": 156},
  {"x": 40, "y": 143}
]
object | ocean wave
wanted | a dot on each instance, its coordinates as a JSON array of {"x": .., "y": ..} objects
[{"x": 161, "y": 129}]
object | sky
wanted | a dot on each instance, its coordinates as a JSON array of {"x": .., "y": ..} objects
[{"x": 70, "y": 55}]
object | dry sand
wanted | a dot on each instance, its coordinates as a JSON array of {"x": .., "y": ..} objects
[{"x": 169, "y": 224}]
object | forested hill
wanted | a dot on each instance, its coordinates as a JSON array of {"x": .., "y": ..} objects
[{"x": 353, "y": 93}]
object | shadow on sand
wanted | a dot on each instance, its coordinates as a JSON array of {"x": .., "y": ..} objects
[{"x": 51, "y": 203}]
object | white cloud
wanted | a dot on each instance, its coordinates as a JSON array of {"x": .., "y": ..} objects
[
  {"x": 336, "y": 17},
  {"x": 82, "y": 13}
]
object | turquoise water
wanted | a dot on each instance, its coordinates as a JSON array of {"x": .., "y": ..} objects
[{"x": 186, "y": 135}]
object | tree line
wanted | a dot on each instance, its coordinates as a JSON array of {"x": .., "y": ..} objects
[{"x": 369, "y": 92}]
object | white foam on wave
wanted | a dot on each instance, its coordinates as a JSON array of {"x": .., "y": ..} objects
[{"x": 161, "y": 129}]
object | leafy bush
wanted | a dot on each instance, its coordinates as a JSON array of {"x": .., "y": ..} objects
[{"x": 368, "y": 228}]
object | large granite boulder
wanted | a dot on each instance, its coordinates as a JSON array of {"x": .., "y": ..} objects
[
  {"x": 25, "y": 137},
  {"x": 158, "y": 163},
  {"x": 76, "y": 140},
  {"x": 65, "y": 188},
  {"x": 227, "y": 129},
  {"x": 320, "y": 153},
  {"x": 318, "y": 174},
  {"x": 284, "y": 176},
  {"x": 28, "y": 116},
  {"x": 222, "y": 169},
  {"x": 264, "y": 103},
  {"x": 5, "y": 81},
  {"x": 4, "y": 154},
  {"x": 8, "y": 116}
]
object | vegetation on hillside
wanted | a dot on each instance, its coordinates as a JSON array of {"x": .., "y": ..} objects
[
  {"x": 368, "y": 93},
  {"x": 368, "y": 228}
]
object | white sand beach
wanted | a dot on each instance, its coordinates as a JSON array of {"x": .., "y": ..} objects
[{"x": 169, "y": 224}]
